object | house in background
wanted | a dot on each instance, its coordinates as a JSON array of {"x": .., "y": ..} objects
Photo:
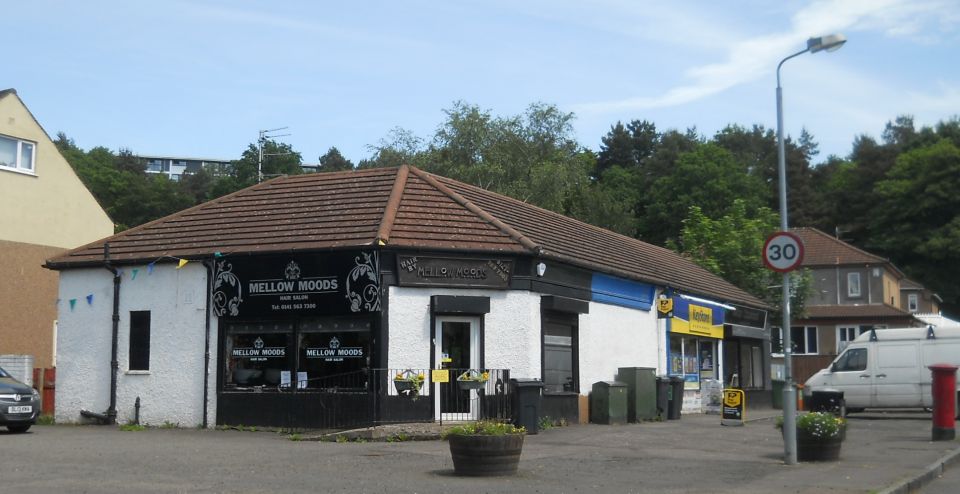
[
  {"x": 46, "y": 211},
  {"x": 176, "y": 167},
  {"x": 917, "y": 299},
  {"x": 853, "y": 291}
]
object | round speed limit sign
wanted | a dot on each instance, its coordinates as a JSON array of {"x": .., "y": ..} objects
[{"x": 783, "y": 252}]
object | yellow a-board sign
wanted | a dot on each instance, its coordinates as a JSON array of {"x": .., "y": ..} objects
[
  {"x": 734, "y": 404},
  {"x": 440, "y": 375}
]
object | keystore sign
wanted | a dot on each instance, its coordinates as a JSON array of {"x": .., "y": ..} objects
[
  {"x": 313, "y": 284},
  {"x": 697, "y": 319}
]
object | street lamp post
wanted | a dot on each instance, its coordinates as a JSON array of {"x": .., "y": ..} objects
[{"x": 828, "y": 43}]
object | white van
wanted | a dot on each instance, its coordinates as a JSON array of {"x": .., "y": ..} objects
[{"x": 887, "y": 368}]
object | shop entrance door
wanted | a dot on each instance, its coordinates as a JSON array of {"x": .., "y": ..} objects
[{"x": 457, "y": 341}]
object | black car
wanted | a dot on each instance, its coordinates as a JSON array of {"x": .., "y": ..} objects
[{"x": 19, "y": 403}]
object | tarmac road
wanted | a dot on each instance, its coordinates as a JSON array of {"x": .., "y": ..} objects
[{"x": 694, "y": 454}]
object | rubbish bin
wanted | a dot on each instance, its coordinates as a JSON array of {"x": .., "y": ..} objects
[
  {"x": 525, "y": 403},
  {"x": 663, "y": 396},
  {"x": 777, "y": 398},
  {"x": 676, "y": 398},
  {"x": 827, "y": 400},
  {"x": 641, "y": 392},
  {"x": 608, "y": 403}
]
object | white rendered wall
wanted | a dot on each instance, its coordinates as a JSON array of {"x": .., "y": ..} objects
[
  {"x": 171, "y": 391},
  {"x": 511, "y": 329},
  {"x": 612, "y": 337}
]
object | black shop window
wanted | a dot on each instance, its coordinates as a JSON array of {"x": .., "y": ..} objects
[
  {"x": 258, "y": 355},
  {"x": 334, "y": 354},
  {"x": 139, "y": 340},
  {"x": 559, "y": 352}
]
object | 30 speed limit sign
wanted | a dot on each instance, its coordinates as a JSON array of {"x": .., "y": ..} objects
[{"x": 783, "y": 252}]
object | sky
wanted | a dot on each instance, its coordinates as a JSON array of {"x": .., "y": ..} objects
[{"x": 202, "y": 78}]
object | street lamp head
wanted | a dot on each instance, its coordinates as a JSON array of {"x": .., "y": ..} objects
[{"x": 831, "y": 42}]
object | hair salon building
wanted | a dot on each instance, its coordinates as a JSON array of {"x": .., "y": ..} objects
[{"x": 301, "y": 298}]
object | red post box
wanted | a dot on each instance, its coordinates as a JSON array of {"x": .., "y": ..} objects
[{"x": 944, "y": 401}]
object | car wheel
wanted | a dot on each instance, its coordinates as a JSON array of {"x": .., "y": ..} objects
[{"x": 18, "y": 428}]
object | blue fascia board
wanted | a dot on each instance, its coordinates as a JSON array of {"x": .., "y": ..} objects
[{"x": 618, "y": 291}]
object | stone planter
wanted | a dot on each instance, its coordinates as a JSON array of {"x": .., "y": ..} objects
[
  {"x": 485, "y": 456},
  {"x": 811, "y": 448}
]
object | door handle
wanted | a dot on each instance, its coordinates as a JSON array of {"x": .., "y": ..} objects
[
  {"x": 864, "y": 376},
  {"x": 881, "y": 376}
]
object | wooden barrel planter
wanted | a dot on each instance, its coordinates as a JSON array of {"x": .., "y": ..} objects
[
  {"x": 810, "y": 448},
  {"x": 485, "y": 456}
]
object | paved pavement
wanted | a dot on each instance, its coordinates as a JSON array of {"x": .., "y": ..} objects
[{"x": 883, "y": 451}]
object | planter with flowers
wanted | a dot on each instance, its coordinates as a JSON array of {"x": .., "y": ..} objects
[
  {"x": 473, "y": 379},
  {"x": 485, "y": 448},
  {"x": 819, "y": 436},
  {"x": 409, "y": 383}
]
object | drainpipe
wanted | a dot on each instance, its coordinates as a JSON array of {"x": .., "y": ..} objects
[
  {"x": 209, "y": 264},
  {"x": 110, "y": 416},
  {"x": 114, "y": 364}
]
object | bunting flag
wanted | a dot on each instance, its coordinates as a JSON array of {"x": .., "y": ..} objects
[
  {"x": 150, "y": 268},
  {"x": 73, "y": 303},
  {"x": 119, "y": 273},
  {"x": 90, "y": 299},
  {"x": 134, "y": 276},
  {"x": 182, "y": 263}
]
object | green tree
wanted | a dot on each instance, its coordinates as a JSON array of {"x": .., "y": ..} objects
[
  {"x": 333, "y": 161},
  {"x": 917, "y": 222},
  {"x": 278, "y": 159},
  {"x": 708, "y": 177},
  {"x": 731, "y": 247}
]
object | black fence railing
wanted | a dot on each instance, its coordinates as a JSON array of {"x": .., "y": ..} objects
[{"x": 371, "y": 397}]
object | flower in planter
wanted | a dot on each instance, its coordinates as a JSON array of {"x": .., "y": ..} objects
[
  {"x": 409, "y": 383},
  {"x": 485, "y": 448},
  {"x": 474, "y": 375},
  {"x": 821, "y": 425},
  {"x": 484, "y": 428}
]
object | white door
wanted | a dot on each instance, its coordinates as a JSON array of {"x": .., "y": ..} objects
[
  {"x": 456, "y": 347},
  {"x": 897, "y": 377},
  {"x": 852, "y": 373}
]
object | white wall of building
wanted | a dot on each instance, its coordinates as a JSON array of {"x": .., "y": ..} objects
[
  {"x": 511, "y": 329},
  {"x": 171, "y": 391},
  {"x": 610, "y": 336}
]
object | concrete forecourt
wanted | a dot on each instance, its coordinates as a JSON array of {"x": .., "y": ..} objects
[{"x": 883, "y": 452}]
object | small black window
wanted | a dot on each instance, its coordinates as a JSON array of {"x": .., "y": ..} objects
[{"x": 140, "y": 340}]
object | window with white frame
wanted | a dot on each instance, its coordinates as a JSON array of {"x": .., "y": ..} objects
[
  {"x": 846, "y": 334},
  {"x": 853, "y": 284},
  {"x": 17, "y": 155},
  {"x": 912, "y": 303},
  {"x": 803, "y": 340}
]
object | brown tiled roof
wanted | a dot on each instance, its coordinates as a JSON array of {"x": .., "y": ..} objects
[
  {"x": 908, "y": 284},
  {"x": 401, "y": 208},
  {"x": 821, "y": 249},
  {"x": 855, "y": 311}
]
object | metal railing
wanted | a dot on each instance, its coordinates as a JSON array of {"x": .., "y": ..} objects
[{"x": 370, "y": 397}]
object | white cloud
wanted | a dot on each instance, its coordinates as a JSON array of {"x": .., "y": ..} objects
[{"x": 751, "y": 58}]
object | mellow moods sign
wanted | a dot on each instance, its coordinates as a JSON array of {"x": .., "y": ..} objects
[
  {"x": 316, "y": 284},
  {"x": 697, "y": 319}
]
